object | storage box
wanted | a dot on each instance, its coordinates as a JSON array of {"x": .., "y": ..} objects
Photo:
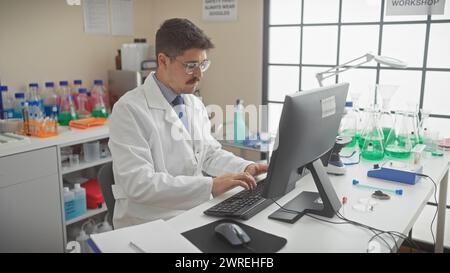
[
  {"x": 134, "y": 54},
  {"x": 94, "y": 196}
]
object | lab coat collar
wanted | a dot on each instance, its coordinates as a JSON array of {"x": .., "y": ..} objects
[{"x": 155, "y": 99}]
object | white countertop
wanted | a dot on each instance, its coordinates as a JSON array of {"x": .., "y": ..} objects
[{"x": 67, "y": 136}]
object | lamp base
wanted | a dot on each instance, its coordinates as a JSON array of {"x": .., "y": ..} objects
[
  {"x": 335, "y": 167},
  {"x": 331, "y": 160}
]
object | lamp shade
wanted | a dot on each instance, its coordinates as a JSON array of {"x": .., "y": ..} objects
[{"x": 392, "y": 62}]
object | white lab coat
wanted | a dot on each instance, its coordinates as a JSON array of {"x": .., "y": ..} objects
[{"x": 156, "y": 175}]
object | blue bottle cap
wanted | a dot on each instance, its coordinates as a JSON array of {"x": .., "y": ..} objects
[
  {"x": 3, "y": 88},
  {"x": 355, "y": 182},
  {"x": 63, "y": 83},
  {"x": 49, "y": 84},
  {"x": 349, "y": 104},
  {"x": 399, "y": 192},
  {"x": 33, "y": 84},
  {"x": 82, "y": 90},
  {"x": 19, "y": 95},
  {"x": 98, "y": 82},
  {"x": 77, "y": 82}
]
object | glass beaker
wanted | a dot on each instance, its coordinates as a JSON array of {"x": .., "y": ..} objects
[
  {"x": 372, "y": 138},
  {"x": 398, "y": 143}
]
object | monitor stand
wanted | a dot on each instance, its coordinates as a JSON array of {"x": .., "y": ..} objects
[{"x": 324, "y": 203}]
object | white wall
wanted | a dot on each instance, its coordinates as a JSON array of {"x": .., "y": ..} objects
[
  {"x": 50, "y": 44},
  {"x": 44, "y": 40}
]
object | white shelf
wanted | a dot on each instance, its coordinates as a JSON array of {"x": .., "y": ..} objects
[
  {"x": 89, "y": 213},
  {"x": 85, "y": 165}
]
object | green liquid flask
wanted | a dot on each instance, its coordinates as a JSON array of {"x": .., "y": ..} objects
[
  {"x": 398, "y": 143},
  {"x": 372, "y": 138},
  {"x": 347, "y": 127}
]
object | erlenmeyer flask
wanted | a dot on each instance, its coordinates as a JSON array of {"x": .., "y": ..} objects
[
  {"x": 413, "y": 122},
  {"x": 398, "y": 143},
  {"x": 363, "y": 118},
  {"x": 347, "y": 127},
  {"x": 386, "y": 92},
  {"x": 424, "y": 126},
  {"x": 372, "y": 138},
  {"x": 386, "y": 124}
]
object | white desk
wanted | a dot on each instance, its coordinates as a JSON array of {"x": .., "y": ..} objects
[{"x": 310, "y": 235}]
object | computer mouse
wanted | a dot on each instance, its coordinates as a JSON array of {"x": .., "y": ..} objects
[{"x": 232, "y": 233}]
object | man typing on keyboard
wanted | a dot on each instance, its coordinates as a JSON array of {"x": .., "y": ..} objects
[{"x": 158, "y": 141}]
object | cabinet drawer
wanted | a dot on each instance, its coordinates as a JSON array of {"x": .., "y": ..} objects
[{"x": 26, "y": 166}]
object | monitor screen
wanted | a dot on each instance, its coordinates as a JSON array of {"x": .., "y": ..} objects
[{"x": 307, "y": 129}]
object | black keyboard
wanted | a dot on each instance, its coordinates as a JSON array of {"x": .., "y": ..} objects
[{"x": 243, "y": 204}]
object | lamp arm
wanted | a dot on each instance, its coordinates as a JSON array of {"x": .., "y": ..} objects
[{"x": 343, "y": 67}]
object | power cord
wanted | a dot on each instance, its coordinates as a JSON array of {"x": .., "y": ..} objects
[
  {"x": 392, "y": 234},
  {"x": 350, "y": 156},
  {"x": 435, "y": 200}
]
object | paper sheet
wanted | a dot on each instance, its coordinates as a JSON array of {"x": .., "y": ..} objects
[
  {"x": 153, "y": 237},
  {"x": 122, "y": 17},
  {"x": 96, "y": 16}
]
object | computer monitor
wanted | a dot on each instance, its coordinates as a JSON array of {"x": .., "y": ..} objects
[{"x": 307, "y": 129}]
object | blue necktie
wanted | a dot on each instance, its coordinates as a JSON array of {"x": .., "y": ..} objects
[{"x": 178, "y": 106}]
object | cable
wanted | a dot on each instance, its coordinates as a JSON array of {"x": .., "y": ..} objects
[
  {"x": 348, "y": 221},
  {"x": 340, "y": 216},
  {"x": 348, "y": 156},
  {"x": 435, "y": 200},
  {"x": 353, "y": 163}
]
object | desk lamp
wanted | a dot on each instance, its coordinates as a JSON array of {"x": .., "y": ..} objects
[
  {"x": 335, "y": 165},
  {"x": 358, "y": 62}
]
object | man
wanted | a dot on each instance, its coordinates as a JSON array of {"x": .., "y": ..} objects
[{"x": 158, "y": 140}]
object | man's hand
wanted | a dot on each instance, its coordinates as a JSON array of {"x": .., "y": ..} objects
[
  {"x": 226, "y": 182},
  {"x": 255, "y": 169}
]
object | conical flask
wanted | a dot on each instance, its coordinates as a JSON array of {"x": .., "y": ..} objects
[
  {"x": 424, "y": 126},
  {"x": 363, "y": 118},
  {"x": 347, "y": 127},
  {"x": 398, "y": 143},
  {"x": 372, "y": 138},
  {"x": 386, "y": 122},
  {"x": 425, "y": 131},
  {"x": 413, "y": 122}
]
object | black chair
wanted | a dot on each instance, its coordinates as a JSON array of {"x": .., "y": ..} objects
[{"x": 106, "y": 179}]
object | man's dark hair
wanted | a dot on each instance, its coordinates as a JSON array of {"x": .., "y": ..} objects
[{"x": 177, "y": 35}]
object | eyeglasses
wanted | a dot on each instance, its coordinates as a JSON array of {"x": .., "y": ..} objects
[{"x": 191, "y": 66}]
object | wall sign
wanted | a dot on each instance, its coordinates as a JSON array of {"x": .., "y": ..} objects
[
  {"x": 220, "y": 10},
  {"x": 414, "y": 7}
]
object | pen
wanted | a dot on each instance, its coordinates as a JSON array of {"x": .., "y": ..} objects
[{"x": 136, "y": 248}]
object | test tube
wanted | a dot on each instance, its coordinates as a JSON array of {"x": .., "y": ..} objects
[{"x": 396, "y": 191}]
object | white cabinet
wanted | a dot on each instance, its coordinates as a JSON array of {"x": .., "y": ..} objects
[
  {"x": 31, "y": 184},
  {"x": 30, "y": 202}
]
